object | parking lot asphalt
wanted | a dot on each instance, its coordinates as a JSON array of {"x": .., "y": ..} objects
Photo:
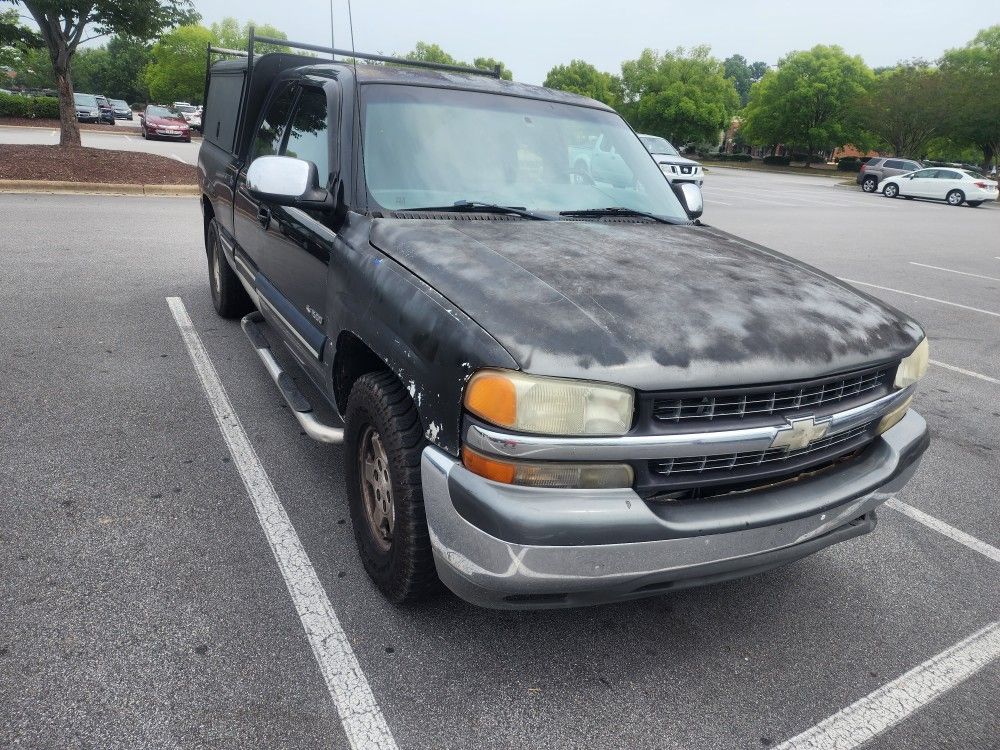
[
  {"x": 128, "y": 139},
  {"x": 141, "y": 605}
]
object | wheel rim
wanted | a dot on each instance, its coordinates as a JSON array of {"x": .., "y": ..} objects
[
  {"x": 954, "y": 198},
  {"x": 868, "y": 185},
  {"x": 376, "y": 488},
  {"x": 891, "y": 191}
]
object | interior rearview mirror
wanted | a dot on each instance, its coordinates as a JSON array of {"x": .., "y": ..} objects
[
  {"x": 690, "y": 197},
  {"x": 285, "y": 181}
]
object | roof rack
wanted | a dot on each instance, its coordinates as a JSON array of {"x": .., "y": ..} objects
[{"x": 494, "y": 72}]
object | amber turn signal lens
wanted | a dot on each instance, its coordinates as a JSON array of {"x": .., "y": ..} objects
[
  {"x": 893, "y": 418},
  {"x": 493, "y": 397},
  {"x": 498, "y": 471}
]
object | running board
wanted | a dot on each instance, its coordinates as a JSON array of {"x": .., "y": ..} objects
[{"x": 300, "y": 406}]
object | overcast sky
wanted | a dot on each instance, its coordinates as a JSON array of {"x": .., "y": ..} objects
[{"x": 531, "y": 36}]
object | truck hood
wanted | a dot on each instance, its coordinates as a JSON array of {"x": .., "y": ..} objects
[
  {"x": 650, "y": 306},
  {"x": 678, "y": 160}
]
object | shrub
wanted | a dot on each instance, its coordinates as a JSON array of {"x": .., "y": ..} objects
[
  {"x": 30, "y": 107},
  {"x": 728, "y": 157},
  {"x": 777, "y": 161},
  {"x": 849, "y": 164}
]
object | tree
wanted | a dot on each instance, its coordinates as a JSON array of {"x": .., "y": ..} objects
[
  {"x": 906, "y": 108},
  {"x": 15, "y": 39},
  {"x": 426, "y": 52},
  {"x": 683, "y": 96},
  {"x": 972, "y": 79},
  {"x": 64, "y": 23},
  {"x": 743, "y": 75},
  {"x": 580, "y": 77},
  {"x": 810, "y": 101},
  {"x": 176, "y": 70},
  {"x": 229, "y": 34},
  {"x": 126, "y": 62}
]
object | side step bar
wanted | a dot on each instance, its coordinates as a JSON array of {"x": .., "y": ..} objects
[{"x": 303, "y": 411}]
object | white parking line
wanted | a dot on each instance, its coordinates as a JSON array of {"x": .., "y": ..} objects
[
  {"x": 970, "y": 373},
  {"x": 892, "y": 703},
  {"x": 360, "y": 714},
  {"x": 976, "y": 545},
  {"x": 951, "y": 270},
  {"x": 921, "y": 296}
]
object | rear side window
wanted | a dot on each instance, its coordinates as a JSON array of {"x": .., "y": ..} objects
[
  {"x": 267, "y": 141},
  {"x": 946, "y": 174},
  {"x": 910, "y": 165},
  {"x": 224, "y": 92},
  {"x": 308, "y": 138},
  {"x": 896, "y": 164}
]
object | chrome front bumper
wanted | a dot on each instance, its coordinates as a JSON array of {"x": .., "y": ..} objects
[{"x": 516, "y": 547}]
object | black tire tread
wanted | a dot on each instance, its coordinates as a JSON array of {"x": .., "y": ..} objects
[
  {"x": 408, "y": 574},
  {"x": 233, "y": 300}
]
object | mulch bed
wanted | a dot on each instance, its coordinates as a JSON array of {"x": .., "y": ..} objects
[{"x": 92, "y": 165}]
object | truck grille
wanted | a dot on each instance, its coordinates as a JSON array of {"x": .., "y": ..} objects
[{"x": 743, "y": 404}]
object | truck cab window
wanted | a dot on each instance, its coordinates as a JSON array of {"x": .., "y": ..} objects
[
  {"x": 267, "y": 141},
  {"x": 308, "y": 138}
]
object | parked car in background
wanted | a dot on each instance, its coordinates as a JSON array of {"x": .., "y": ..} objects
[
  {"x": 164, "y": 122},
  {"x": 955, "y": 186},
  {"x": 190, "y": 113},
  {"x": 675, "y": 168},
  {"x": 87, "y": 108},
  {"x": 107, "y": 111},
  {"x": 122, "y": 110},
  {"x": 878, "y": 168}
]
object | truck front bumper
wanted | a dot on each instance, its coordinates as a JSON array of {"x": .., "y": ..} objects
[{"x": 510, "y": 547}]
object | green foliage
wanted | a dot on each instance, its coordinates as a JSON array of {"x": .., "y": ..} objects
[
  {"x": 905, "y": 108},
  {"x": 683, "y": 96},
  {"x": 427, "y": 52},
  {"x": 176, "y": 70},
  {"x": 777, "y": 161},
  {"x": 15, "y": 39},
  {"x": 743, "y": 74},
  {"x": 580, "y": 77},
  {"x": 849, "y": 164},
  {"x": 972, "y": 80},
  {"x": 34, "y": 70},
  {"x": 810, "y": 101},
  {"x": 229, "y": 34},
  {"x": 729, "y": 157},
  {"x": 32, "y": 107}
]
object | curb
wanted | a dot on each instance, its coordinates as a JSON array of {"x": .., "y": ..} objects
[{"x": 92, "y": 188}]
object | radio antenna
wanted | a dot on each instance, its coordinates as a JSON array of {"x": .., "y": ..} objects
[{"x": 333, "y": 41}]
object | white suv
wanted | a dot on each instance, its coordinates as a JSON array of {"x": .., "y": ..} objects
[{"x": 675, "y": 168}]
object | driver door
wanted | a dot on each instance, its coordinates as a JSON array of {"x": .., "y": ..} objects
[{"x": 920, "y": 184}]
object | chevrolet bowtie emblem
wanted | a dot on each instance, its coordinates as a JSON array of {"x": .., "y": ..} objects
[{"x": 800, "y": 432}]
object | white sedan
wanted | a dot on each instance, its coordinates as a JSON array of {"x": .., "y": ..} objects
[{"x": 955, "y": 186}]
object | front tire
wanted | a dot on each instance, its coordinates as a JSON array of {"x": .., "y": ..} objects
[
  {"x": 955, "y": 198},
  {"x": 382, "y": 446},
  {"x": 228, "y": 295},
  {"x": 869, "y": 184},
  {"x": 891, "y": 190}
]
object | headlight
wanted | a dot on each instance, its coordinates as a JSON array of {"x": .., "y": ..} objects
[
  {"x": 912, "y": 368},
  {"x": 668, "y": 169},
  {"x": 548, "y": 474},
  {"x": 549, "y": 406}
]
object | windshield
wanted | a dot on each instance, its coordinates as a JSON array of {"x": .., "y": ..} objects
[
  {"x": 167, "y": 113},
  {"x": 119, "y": 103},
  {"x": 435, "y": 147},
  {"x": 85, "y": 100},
  {"x": 186, "y": 108},
  {"x": 657, "y": 145}
]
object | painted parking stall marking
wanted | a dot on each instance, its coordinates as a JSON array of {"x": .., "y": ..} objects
[
  {"x": 364, "y": 725},
  {"x": 952, "y": 270},
  {"x": 963, "y": 371},
  {"x": 892, "y": 703},
  {"x": 921, "y": 296},
  {"x": 976, "y": 545}
]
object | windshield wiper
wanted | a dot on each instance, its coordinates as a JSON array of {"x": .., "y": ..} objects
[
  {"x": 618, "y": 211},
  {"x": 494, "y": 208}
]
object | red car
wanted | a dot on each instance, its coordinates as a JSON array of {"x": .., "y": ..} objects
[{"x": 165, "y": 122}]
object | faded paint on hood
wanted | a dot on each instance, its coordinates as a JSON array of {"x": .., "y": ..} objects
[{"x": 647, "y": 305}]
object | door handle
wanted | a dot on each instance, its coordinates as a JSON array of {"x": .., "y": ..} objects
[{"x": 264, "y": 216}]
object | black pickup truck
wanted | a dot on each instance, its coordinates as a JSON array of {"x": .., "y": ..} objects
[{"x": 557, "y": 385}]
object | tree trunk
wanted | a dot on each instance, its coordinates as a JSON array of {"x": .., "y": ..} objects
[{"x": 69, "y": 127}]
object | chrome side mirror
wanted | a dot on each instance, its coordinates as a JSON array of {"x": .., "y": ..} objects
[
  {"x": 285, "y": 181},
  {"x": 690, "y": 197}
]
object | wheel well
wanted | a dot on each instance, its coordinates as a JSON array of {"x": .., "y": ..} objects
[
  {"x": 209, "y": 213},
  {"x": 353, "y": 360}
]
